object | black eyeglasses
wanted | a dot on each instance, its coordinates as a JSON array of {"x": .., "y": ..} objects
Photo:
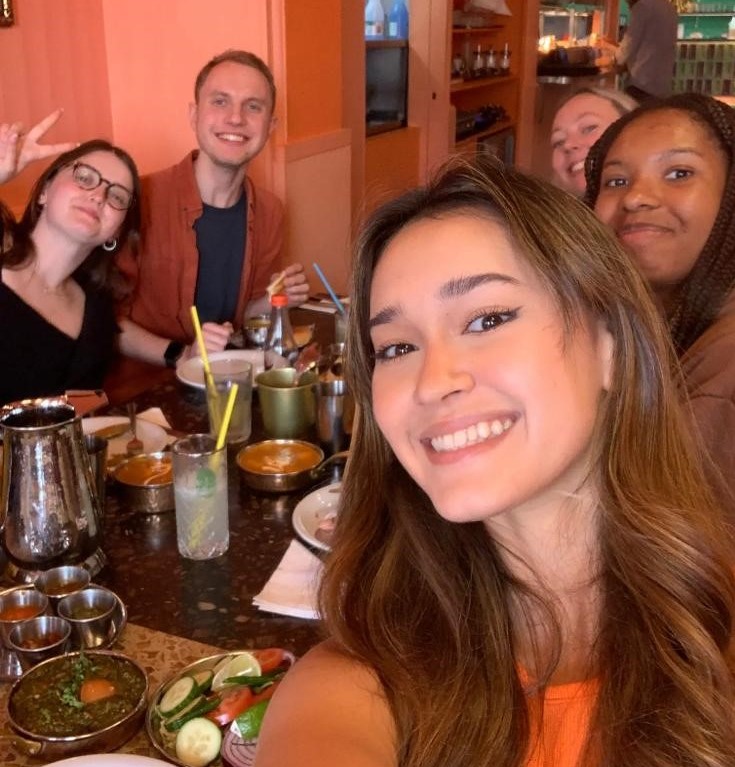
[{"x": 88, "y": 178}]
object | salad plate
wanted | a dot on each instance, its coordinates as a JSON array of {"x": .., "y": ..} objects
[
  {"x": 201, "y": 696},
  {"x": 315, "y": 514}
]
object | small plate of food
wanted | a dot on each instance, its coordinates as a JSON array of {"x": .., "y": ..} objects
[
  {"x": 115, "y": 429},
  {"x": 315, "y": 516},
  {"x": 211, "y": 711}
]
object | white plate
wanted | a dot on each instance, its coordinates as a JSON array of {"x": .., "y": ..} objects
[
  {"x": 191, "y": 372},
  {"x": 312, "y": 509},
  {"x": 108, "y": 760},
  {"x": 153, "y": 436}
]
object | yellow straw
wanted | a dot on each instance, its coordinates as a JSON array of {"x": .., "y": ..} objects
[
  {"x": 202, "y": 347},
  {"x": 225, "y": 425}
]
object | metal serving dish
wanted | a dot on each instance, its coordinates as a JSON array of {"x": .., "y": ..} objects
[
  {"x": 165, "y": 743},
  {"x": 98, "y": 741},
  {"x": 150, "y": 497},
  {"x": 258, "y": 463}
]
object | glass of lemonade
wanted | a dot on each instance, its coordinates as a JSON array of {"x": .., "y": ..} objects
[
  {"x": 225, "y": 373},
  {"x": 200, "y": 493}
]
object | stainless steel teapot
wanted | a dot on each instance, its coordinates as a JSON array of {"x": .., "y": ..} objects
[{"x": 49, "y": 511}]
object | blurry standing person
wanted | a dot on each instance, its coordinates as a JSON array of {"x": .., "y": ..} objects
[
  {"x": 663, "y": 178},
  {"x": 578, "y": 123},
  {"x": 58, "y": 275},
  {"x": 527, "y": 569},
  {"x": 648, "y": 49},
  {"x": 210, "y": 237}
]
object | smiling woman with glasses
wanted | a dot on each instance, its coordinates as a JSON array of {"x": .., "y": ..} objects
[{"x": 58, "y": 277}]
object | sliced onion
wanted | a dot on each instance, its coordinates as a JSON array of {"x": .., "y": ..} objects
[{"x": 237, "y": 752}]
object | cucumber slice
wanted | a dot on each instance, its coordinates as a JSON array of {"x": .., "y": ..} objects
[
  {"x": 203, "y": 706},
  {"x": 198, "y": 742},
  {"x": 178, "y": 696},
  {"x": 190, "y": 706},
  {"x": 203, "y": 680}
]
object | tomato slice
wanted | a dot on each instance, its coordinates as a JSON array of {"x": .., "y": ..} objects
[
  {"x": 270, "y": 658},
  {"x": 231, "y": 706},
  {"x": 95, "y": 689}
]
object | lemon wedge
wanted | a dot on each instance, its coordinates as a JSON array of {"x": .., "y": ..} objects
[{"x": 242, "y": 664}]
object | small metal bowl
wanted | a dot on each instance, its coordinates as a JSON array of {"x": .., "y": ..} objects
[
  {"x": 143, "y": 488},
  {"x": 39, "y": 639},
  {"x": 90, "y": 613},
  {"x": 59, "y": 582}
]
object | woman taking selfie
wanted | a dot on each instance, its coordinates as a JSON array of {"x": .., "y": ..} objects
[
  {"x": 662, "y": 178},
  {"x": 58, "y": 276},
  {"x": 527, "y": 570}
]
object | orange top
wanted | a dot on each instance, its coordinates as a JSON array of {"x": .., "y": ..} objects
[{"x": 567, "y": 709}]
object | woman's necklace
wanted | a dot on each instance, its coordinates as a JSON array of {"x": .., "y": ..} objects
[{"x": 59, "y": 290}]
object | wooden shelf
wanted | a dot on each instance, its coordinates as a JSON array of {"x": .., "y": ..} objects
[
  {"x": 482, "y": 82},
  {"x": 476, "y": 30},
  {"x": 498, "y": 127}
]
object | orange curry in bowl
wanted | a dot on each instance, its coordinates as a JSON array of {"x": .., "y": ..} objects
[
  {"x": 145, "y": 470},
  {"x": 279, "y": 457}
]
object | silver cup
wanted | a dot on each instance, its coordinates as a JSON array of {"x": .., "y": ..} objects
[
  {"x": 38, "y": 639},
  {"x": 90, "y": 613},
  {"x": 60, "y": 582},
  {"x": 335, "y": 410}
]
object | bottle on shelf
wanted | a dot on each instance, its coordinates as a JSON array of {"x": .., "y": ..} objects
[
  {"x": 280, "y": 335},
  {"x": 505, "y": 61},
  {"x": 398, "y": 21},
  {"x": 490, "y": 63},
  {"x": 478, "y": 64},
  {"x": 374, "y": 19}
]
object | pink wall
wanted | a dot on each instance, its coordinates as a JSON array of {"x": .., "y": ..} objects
[
  {"x": 54, "y": 56},
  {"x": 154, "y": 50}
]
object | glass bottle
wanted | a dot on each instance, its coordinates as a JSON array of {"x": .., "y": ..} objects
[
  {"x": 398, "y": 20},
  {"x": 374, "y": 19},
  {"x": 505, "y": 60},
  {"x": 280, "y": 335},
  {"x": 478, "y": 66}
]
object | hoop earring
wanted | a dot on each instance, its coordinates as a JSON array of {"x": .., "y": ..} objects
[{"x": 110, "y": 245}]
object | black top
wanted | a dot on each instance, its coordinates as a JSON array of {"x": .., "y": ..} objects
[
  {"x": 38, "y": 360},
  {"x": 221, "y": 235}
]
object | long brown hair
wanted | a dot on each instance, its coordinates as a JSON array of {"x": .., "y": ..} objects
[
  {"x": 431, "y": 606},
  {"x": 702, "y": 293},
  {"x": 98, "y": 269}
]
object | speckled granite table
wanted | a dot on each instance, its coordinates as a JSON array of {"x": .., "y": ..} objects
[
  {"x": 161, "y": 655},
  {"x": 208, "y": 601}
]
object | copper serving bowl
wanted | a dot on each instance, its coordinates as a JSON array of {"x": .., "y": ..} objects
[
  {"x": 102, "y": 740},
  {"x": 146, "y": 482},
  {"x": 283, "y": 465}
]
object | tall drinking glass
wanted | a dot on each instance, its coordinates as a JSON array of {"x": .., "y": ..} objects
[
  {"x": 200, "y": 492},
  {"x": 226, "y": 373}
]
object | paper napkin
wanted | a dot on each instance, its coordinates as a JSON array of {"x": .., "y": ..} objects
[
  {"x": 291, "y": 590},
  {"x": 155, "y": 415}
]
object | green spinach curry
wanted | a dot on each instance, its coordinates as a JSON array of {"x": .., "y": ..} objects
[{"x": 47, "y": 702}]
